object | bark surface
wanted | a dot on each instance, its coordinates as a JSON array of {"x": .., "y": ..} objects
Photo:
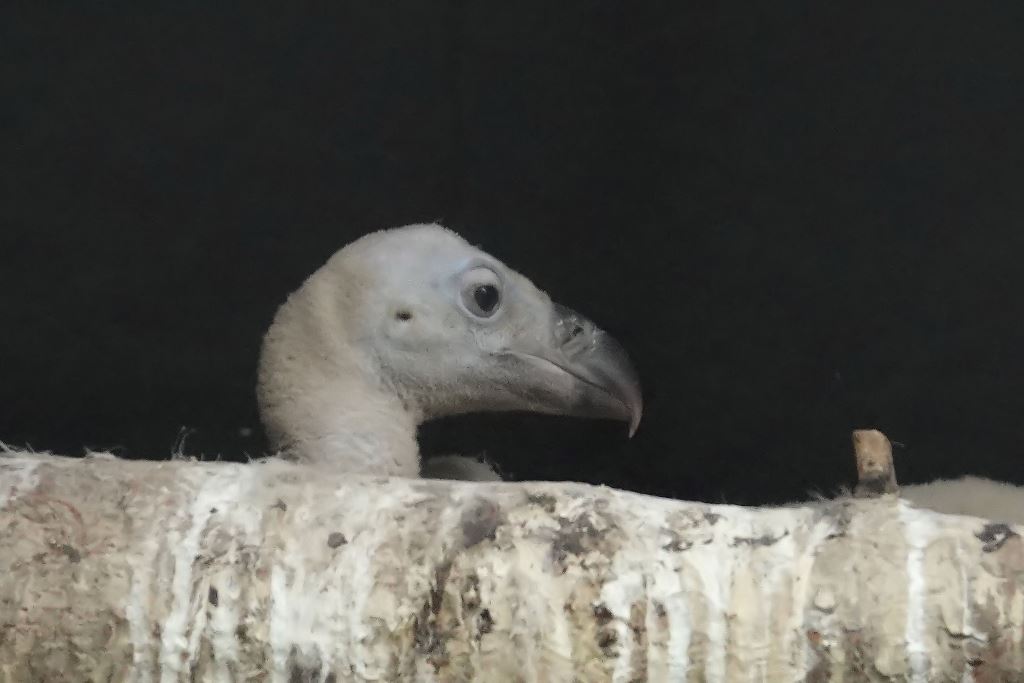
[{"x": 183, "y": 571}]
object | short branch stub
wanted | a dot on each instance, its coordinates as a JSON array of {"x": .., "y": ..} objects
[{"x": 875, "y": 473}]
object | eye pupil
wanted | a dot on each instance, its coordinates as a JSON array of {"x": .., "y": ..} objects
[{"x": 486, "y": 297}]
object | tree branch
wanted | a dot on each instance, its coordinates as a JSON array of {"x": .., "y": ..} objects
[
  {"x": 876, "y": 474},
  {"x": 176, "y": 571}
]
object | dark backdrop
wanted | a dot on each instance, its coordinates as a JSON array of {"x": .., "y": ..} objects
[{"x": 800, "y": 218}]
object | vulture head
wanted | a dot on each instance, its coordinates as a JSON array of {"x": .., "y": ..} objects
[{"x": 414, "y": 323}]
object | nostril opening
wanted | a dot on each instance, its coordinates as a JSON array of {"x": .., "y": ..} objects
[
  {"x": 577, "y": 330},
  {"x": 403, "y": 315}
]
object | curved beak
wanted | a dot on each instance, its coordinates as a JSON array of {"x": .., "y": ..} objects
[{"x": 581, "y": 371}]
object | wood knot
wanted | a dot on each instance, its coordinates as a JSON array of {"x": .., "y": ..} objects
[{"x": 480, "y": 522}]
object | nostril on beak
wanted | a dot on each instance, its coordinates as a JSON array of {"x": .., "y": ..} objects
[
  {"x": 572, "y": 330},
  {"x": 572, "y": 335}
]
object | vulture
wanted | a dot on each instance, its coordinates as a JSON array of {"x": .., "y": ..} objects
[
  {"x": 414, "y": 323},
  {"x": 974, "y": 496}
]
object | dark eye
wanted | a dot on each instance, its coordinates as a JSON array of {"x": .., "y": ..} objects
[
  {"x": 486, "y": 298},
  {"x": 481, "y": 292},
  {"x": 482, "y": 300}
]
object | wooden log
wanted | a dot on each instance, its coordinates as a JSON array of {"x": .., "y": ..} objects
[{"x": 184, "y": 571}]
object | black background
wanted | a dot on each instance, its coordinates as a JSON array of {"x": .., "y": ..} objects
[{"x": 800, "y": 218}]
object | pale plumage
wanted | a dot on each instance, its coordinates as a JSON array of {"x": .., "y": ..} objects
[
  {"x": 413, "y": 323},
  {"x": 973, "y": 496}
]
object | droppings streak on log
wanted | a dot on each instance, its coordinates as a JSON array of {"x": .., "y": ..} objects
[{"x": 279, "y": 572}]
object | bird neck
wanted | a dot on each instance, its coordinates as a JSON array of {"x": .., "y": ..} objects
[{"x": 321, "y": 401}]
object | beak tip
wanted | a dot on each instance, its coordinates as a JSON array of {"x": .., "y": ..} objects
[{"x": 634, "y": 421}]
